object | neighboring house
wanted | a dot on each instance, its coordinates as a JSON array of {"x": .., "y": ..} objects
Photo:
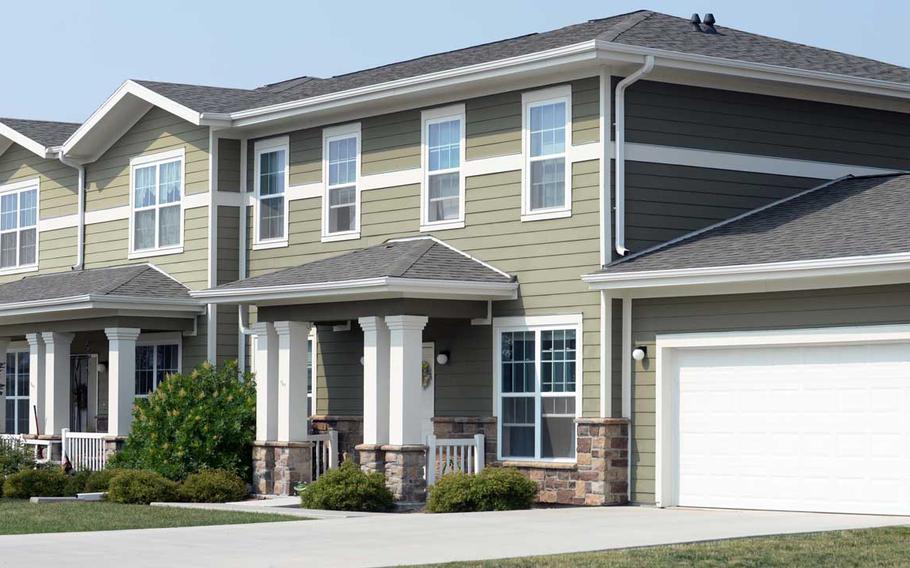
[{"x": 711, "y": 321}]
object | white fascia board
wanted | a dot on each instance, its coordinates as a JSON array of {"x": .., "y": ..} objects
[
  {"x": 100, "y": 302},
  {"x": 389, "y": 287},
  {"x": 32, "y": 146}
]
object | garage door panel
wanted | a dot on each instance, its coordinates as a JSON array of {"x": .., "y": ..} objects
[{"x": 814, "y": 428}]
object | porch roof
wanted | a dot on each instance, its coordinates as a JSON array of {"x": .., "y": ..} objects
[{"x": 418, "y": 267}]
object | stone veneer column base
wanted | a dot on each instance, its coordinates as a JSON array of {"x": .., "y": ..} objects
[
  {"x": 404, "y": 467},
  {"x": 112, "y": 445},
  {"x": 370, "y": 457},
  {"x": 279, "y": 466}
]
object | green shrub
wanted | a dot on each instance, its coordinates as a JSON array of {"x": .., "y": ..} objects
[
  {"x": 347, "y": 488},
  {"x": 99, "y": 481},
  {"x": 28, "y": 483},
  {"x": 494, "y": 489},
  {"x": 75, "y": 483},
  {"x": 212, "y": 486},
  {"x": 14, "y": 459},
  {"x": 139, "y": 487},
  {"x": 203, "y": 420}
]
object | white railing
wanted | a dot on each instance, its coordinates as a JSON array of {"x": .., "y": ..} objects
[
  {"x": 448, "y": 455},
  {"x": 12, "y": 440},
  {"x": 325, "y": 452},
  {"x": 85, "y": 450},
  {"x": 40, "y": 448}
]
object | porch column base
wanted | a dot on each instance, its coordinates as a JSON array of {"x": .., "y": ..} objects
[
  {"x": 404, "y": 467},
  {"x": 112, "y": 445},
  {"x": 279, "y": 466},
  {"x": 371, "y": 458}
]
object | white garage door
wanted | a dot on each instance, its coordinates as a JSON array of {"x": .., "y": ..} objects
[{"x": 815, "y": 428}]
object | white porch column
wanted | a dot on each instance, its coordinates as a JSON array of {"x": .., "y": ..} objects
[
  {"x": 293, "y": 419},
  {"x": 266, "y": 364},
  {"x": 405, "y": 356},
  {"x": 35, "y": 383},
  {"x": 4, "y": 343},
  {"x": 375, "y": 380},
  {"x": 121, "y": 378},
  {"x": 57, "y": 383}
]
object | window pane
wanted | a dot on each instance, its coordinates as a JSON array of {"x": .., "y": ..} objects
[
  {"x": 557, "y": 437},
  {"x": 8, "y": 211},
  {"x": 548, "y": 183},
  {"x": 518, "y": 427},
  {"x": 343, "y": 161},
  {"x": 518, "y": 361},
  {"x": 342, "y": 209},
  {"x": 169, "y": 226},
  {"x": 557, "y": 367},
  {"x": 145, "y": 370},
  {"x": 145, "y": 186},
  {"x": 8, "y": 250},
  {"x": 548, "y": 129},
  {"x": 28, "y": 208},
  {"x": 27, "y": 247},
  {"x": 271, "y": 218},
  {"x": 443, "y": 197},
  {"x": 10, "y": 389},
  {"x": 22, "y": 372},
  {"x": 271, "y": 173},
  {"x": 166, "y": 361},
  {"x": 444, "y": 145},
  {"x": 169, "y": 187},
  {"x": 22, "y": 410},
  {"x": 144, "y": 237},
  {"x": 10, "y": 426}
]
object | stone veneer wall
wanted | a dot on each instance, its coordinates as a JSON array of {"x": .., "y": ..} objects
[
  {"x": 350, "y": 433},
  {"x": 279, "y": 466},
  {"x": 459, "y": 427}
]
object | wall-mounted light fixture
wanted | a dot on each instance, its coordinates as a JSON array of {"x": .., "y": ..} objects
[
  {"x": 639, "y": 353},
  {"x": 443, "y": 358},
  {"x": 361, "y": 361}
]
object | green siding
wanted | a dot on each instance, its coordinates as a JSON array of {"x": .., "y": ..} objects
[
  {"x": 339, "y": 375},
  {"x": 57, "y": 181},
  {"x": 813, "y": 308},
  {"x": 228, "y": 165},
  {"x": 390, "y": 142}
]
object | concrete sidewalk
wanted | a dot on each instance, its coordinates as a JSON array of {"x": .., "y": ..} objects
[{"x": 389, "y": 540}]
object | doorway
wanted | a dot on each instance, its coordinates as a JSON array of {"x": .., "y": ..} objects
[{"x": 83, "y": 389}]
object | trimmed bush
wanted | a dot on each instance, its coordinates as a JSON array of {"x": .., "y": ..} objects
[
  {"x": 75, "y": 483},
  {"x": 140, "y": 487},
  {"x": 14, "y": 459},
  {"x": 212, "y": 486},
  {"x": 494, "y": 489},
  {"x": 347, "y": 488},
  {"x": 203, "y": 420},
  {"x": 35, "y": 483},
  {"x": 99, "y": 481}
]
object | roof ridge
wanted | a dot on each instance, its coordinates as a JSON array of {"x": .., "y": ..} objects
[
  {"x": 430, "y": 245},
  {"x": 625, "y": 25},
  {"x": 111, "y": 288}
]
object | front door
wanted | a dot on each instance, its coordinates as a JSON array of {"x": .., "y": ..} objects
[{"x": 83, "y": 383}]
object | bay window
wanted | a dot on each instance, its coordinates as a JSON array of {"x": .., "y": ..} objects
[
  {"x": 157, "y": 195},
  {"x": 271, "y": 183},
  {"x": 538, "y": 374},
  {"x": 154, "y": 362},
  {"x": 341, "y": 165},
  {"x": 17, "y": 369},
  {"x": 19, "y": 225},
  {"x": 547, "y": 183},
  {"x": 442, "y": 195}
]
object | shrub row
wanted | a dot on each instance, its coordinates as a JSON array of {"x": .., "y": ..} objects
[
  {"x": 348, "y": 488},
  {"x": 493, "y": 489}
]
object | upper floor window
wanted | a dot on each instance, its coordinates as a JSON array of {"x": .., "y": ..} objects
[
  {"x": 547, "y": 124},
  {"x": 157, "y": 203},
  {"x": 341, "y": 165},
  {"x": 19, "y": 225},
  {"x": 442, "y": 195},
  {"x": 271, "y": 181}
]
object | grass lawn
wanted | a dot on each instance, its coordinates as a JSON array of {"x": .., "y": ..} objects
[
  {"x": 884, "y": 547},
  {"x": 23, "y": 517}
]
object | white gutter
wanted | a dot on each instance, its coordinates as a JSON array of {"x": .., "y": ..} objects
[
  {"x": 620, "y": 153},
  {"x": 80, "y": 223}
]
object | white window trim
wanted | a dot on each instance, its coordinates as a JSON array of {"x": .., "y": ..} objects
[
  {"x": 536, "y": 323},
  {"x": 329, "y": 135},
  {"x": 435, "y": 116},
  {"x": 144, "y": 161},
  {"x": 19, "y": 187},
  {"x": 529, "y": 100},
  {"x": 280, "y": 143},
  {"x": 20, "y": 396},
  {"x": 155, "y": 339}
]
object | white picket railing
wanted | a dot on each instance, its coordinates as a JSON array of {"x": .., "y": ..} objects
[
  {"x": 85, "y": 450},
  {"x": 448, "y": 455},
  {"x": 325, "y": 452},
  {"x": 40, "y": 448},
  {"x": 12, "y": 440}
]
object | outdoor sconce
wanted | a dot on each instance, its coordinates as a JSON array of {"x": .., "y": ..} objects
[
  {"x": 361, "y": 361},
  {"x": 639, "y": 353},
  {"x": 102, "y": 368},
  {"x": 443, "y": 358}
]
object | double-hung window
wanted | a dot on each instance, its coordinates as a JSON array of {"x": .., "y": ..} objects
[
  {"x": 547, "y": 191},
  {"x": 271, "y": 181},
  {"x": 157, "y": 203},
  {"x": 19, "y": 226},
  {"x": 154, "y": 362},
  {"x": 442, "y": 195},
  {"x": 17, "y": 392},
  {"x": 341, "y": 165},
  {"x": 538, "y": 374}
]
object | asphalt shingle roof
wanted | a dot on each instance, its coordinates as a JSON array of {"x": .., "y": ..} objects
[
  {"x": 422, "y": 258},
  {"x": 642, "y": 28},
  {"x": 138, "y": 280},
  {"x": 853, "y": 216},
  {"x": 44, "y": 132}
]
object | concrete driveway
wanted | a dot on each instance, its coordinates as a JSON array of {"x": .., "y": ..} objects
[{"x": 412, "y": 539}]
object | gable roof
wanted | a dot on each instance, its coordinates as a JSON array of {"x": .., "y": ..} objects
[
  {"x": 849, "y": 217},
  {"x": 37, "y": 136},
  {"x": 643, "y": 28}
]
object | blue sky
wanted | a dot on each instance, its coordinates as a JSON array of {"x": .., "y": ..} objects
[{"x": 63, "y": 59}]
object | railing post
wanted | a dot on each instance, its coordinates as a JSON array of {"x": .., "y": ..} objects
[
  {"x": 431, "y": 460},
  {"x": 479, "y": 450},
  {"x": 333, "y": 450},
  {"x": 64, "y": 451}
]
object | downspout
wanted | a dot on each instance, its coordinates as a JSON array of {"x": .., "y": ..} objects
[
  {"x": 620, "y": 153},
  {"x": 80, "y": 214},
  {"x": 243, "y": 311}
]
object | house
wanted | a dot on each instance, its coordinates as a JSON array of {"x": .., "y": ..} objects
[{"x": 432, "y": 248}]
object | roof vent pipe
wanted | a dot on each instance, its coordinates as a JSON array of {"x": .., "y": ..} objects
[
  {"x": 620, "y": 153},
  {"x": 696, "y": 22},
  {"x": 709, "y": 24}
]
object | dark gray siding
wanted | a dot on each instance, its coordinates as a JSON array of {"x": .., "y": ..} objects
[{"x": 228, "y": 165}]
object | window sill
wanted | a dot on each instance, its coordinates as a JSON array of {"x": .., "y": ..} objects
[
  {"x": 18, "y": 269},
  {"x": 441, "y": 226},
  {"x": 539, "y": 464},
  {"x": 155, "y": 252},
  {"x": 265, "y": 245},
  {"x": 341, "y": 237},
  {"x": 544, "y": 215}
]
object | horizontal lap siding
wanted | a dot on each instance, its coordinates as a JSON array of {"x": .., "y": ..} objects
[
  {"x": 390, "y": 142},
  {"x": 814, "y": 308},
  {"x": 57, "y": 182},
  {"x": 228, "y": 271},
  {"x": 464, "y": 386},
  {"x": 228, "y": 165},
  {"x": 728, "y": 121},
  {"x": 339, "y": 375}
]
